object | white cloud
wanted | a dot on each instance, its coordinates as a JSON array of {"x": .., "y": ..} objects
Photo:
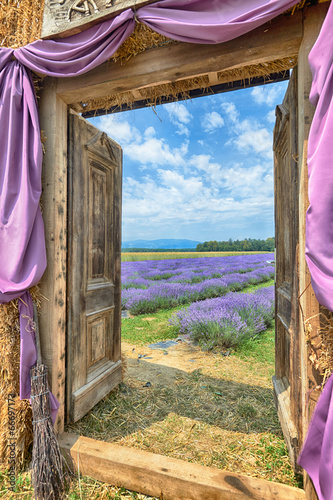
[
  {"x": 179, "y": 116},
  {"x": 270, "y": 117},
  {"x": 156, "y": 151},
  {"x": 267, "y": 94},
  {"x": 212, "y": 121},
  {"x": 231, "y": 111},
  {"x": 258, "y": 140},
  {"x": 178, "y": 112},
  {"x": 119, "y": 129},
  {"x": 149, "y": 132}
]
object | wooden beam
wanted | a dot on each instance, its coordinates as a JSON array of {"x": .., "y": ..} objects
[
  {"x": 58, "y": 26},
  {"x": 165, "y": 477},
  {"x": 275, "y": 40},
  {"x": 53, "y": 119},
  {"x": 313, "y": 19}
]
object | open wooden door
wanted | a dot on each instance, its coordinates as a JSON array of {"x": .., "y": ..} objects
[
  {"x": 287, "y": 383},
  {"x": 94, "y": 254}
]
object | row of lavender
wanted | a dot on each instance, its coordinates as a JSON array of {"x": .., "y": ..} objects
[
  {"x": 152, "y": 285},
  {"x": 227, "y": 321}
]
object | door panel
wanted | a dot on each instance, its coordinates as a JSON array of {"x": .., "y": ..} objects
[
  {"x": 287, "y": 386},
  {"x": 94, "y": 309}
]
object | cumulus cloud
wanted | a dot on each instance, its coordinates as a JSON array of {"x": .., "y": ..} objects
[
  {"x": 156, "y": 151},
  {"x": 230, "y": 111},
  {"x": 270, "y": 117},
  {"x": 267, "y": 94},
  {"x": 255, "y": 139},
  {"x": 212, "y": 121},
  {"x": 119, "y": 129},
  {"x": 179, "y": 116}
]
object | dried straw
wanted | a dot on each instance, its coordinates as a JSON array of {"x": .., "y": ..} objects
[
  {"x": 181, "y": 89},
  {"x": 20, "y": 22},
  {"x": 10, "y": 384},
  {"x": 47, "y": 466},
  {"x": 320, "y": 343},
  {"x": 142, "y": 39}
]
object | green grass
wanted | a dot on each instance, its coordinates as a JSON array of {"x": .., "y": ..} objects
[
  {"x": 135, "y": 256},
  {"x": 149, "y": 328},
  {"x": 154, "y": 327}
]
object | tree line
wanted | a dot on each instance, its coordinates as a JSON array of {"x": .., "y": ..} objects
[{"x": 248, "y": 245}]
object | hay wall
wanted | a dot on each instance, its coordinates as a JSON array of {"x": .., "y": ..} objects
[{"x": 10, "y": 384}]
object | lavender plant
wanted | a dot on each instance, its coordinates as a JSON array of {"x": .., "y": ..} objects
[
  {"x": 152, "y": 285},
  {"x": 227, "y": 321}
]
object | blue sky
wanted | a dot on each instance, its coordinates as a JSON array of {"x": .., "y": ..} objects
[{"x": 199, "y": 169}]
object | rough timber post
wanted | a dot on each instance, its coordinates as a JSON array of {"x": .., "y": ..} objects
[
  {"x": 313, "y": 19},
  {"x": 53, "y": 118}
]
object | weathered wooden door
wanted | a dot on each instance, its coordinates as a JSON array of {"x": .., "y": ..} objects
[
  {"x": 94, "y": 249},
  {"x": 287, "y": 382}
]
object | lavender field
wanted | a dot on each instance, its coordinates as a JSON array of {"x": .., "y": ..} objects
[
  {"x": 227, "y": 321},
  {"x": 163, "y": 284}
]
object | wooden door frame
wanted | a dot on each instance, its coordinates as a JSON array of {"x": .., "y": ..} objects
[{"x": 282, "y": 37}]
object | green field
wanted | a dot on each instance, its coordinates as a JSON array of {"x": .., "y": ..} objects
[{"x": 134, "y": 256}]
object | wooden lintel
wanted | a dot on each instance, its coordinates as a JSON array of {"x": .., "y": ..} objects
[
  {"x": 278, "y": 39},
  {"x": 165, "y": 477}
]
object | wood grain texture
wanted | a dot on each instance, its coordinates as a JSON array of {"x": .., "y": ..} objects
[
  {"x": 59, "y": 26},
  {"x": 287, "y": 335},
  {"x": 93, "y": 349},
  {"x": 309, "y": 307},
  {"x": 275, "y": 40},
  {"x": 53, "y": 119},
  {"x": 165, "y": 477}
]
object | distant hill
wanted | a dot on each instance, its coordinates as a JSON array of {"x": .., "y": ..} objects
[{"x": 165, "y": 244}]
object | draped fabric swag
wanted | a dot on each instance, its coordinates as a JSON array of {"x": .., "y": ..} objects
[{"x": 22, "y": 241}]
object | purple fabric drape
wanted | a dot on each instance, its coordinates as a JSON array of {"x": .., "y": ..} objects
[
  {"x": 317, "y": 454},
  {"x": 319, "y": 226},
  {"x": 28, "y": 351},
  {"x": 79, "y": 53},
  {"x": 22, "y": 247},
  {"x": 209, "y": 21}
]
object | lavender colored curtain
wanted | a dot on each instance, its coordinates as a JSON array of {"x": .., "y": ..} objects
[
  {"x": 209, "y": 21},
  {"x": 316, "y": 456},
  {"x": 319, "y": 226}
]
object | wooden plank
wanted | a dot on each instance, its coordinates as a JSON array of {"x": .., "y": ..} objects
[
  {"x": 282, "y": 403},
  {"x": 91, "y": 393},
  {"x": 53, "y": 119},
  {"x": 93, "y": 285},
  {"x": 59, "y": 21},
  {"x": 165, "y": 477},
  {"x": 313, "y": 19},
  {"x": 275, "y": 40}
]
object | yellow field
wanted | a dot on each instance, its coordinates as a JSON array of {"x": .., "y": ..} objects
[{"x": 134, "y": 256}]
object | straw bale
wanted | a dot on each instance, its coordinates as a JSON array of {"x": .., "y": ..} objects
[
  {"x": 10, "y": 383},
  {"x": 320, "y": 343},
  {"x": 20, "y": 22},
  {"x": 142, "y": 39}
]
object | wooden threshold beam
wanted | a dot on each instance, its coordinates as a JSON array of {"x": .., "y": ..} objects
[
  {"x": 165, "y": 477},
  {"x": 275, "y": 40}
]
